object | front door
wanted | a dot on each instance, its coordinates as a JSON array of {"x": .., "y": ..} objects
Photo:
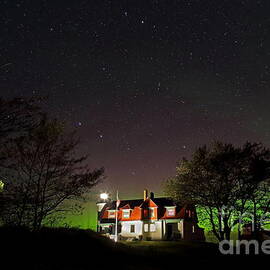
[{"x": 169, "y": 231}]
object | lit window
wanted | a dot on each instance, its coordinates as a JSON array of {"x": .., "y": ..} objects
[
  {"x": 132, "y": 228},
  {"x": 111, "y": 214},
  {"x": 152, "y": 227},
  {"x": 126, "y": 213},
  {"x": 193, "y": 229},
  {"x": 171, "y": 212},
  {"x": 151, "y": 212},
  {"x": 146, "y": 227}
]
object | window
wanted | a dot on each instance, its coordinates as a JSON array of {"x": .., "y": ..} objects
[
  {"x": 145, "y": 227},
  {"x": 104, "y": 229},
  {"x": 126, "y": 213},
  {"x": 193, "y": 229},
  {"x": 151, "y": 212},
  {"x": 152, "y": 227},
  {"x": 171, "y": 211},
  {"x": 111, "y": 214},
  {"x": 132, "y": 228}
]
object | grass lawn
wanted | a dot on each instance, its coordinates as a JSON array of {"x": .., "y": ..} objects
[
  {"x": 165, "y": 254},
  {"x": 183, "y": 248}
]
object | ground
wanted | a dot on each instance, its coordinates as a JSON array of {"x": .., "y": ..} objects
[
  {"x": 70, "y": 249},
  {"x": 183, "y": 248}
]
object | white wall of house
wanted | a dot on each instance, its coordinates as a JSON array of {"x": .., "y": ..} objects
[
  {"x": 126, "y": 229},
  {"x": 152, "y": 230}
]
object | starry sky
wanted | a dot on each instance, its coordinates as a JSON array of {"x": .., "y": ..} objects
[{"x": 143, "y": 82}]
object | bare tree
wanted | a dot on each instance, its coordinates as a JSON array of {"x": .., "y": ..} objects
[
  {"x": 44, "y": 172},
  {"x": 17, "y": 116}
]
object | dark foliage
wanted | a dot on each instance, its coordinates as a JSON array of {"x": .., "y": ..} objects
[
  {"x": 222, "y": 179},
  {"x": 43, "y": 172},
  {"x": 40, "y": 167}
]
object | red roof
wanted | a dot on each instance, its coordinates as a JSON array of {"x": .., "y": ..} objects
[{"x": 140, "y": 210}]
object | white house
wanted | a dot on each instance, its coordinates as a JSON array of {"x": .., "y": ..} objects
[{"x": 149, "y": 219}]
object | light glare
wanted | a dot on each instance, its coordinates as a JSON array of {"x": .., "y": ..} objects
[{"x": 104, "y": 196}]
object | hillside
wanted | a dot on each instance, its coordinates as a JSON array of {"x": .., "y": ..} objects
[{"x": 84, "y": 249}]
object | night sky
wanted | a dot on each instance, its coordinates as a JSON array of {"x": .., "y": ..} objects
[{"x": 143, "y": 82}]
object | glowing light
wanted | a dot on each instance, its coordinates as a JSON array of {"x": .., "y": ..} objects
[
  {"x": 1, "y": 185},
  {"x": 104, "y": 196}
]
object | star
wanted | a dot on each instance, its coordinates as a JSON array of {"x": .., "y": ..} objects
[{"x": 152, "y": 84}]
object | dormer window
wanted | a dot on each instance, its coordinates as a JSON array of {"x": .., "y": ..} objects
[
  {"x": 151, "y": 212},
  {"x": 126, "y": 213},
  {"x": 111, "y": 213},
  {"x": 170, "y": 211}
]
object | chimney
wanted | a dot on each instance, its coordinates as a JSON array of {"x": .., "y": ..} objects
[
  {"x": 145, "y": 194},
  {"x": 152, "y": 195}
]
